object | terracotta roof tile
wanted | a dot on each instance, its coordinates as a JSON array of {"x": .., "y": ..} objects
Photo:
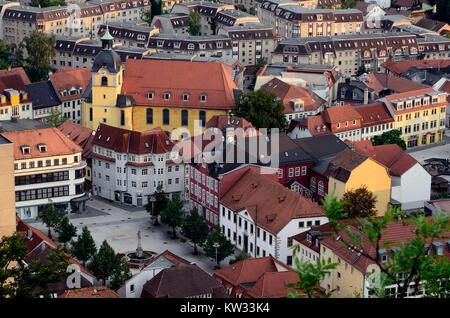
[
  {"x": 122, "y": 140},
  {"x": 179, "y": 77},
  {"x": 381, "y": 81},
  {"x": 80, "y": 135},
  {"x": 253, "y": 189},
  {"x": 374, "y": 114},
  {"x": 90, "y": 292},
  {"x": 57, "y": 143},
  {"x": 66, "y": 78},
  {"x": 344, "y": 163},
  {"x": 288, "y": 92},
  {"x": 402, "y": 66},
  {"x": 339, "y": 114}
]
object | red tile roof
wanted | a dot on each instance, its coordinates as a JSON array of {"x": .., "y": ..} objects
[
  {"x": 66, "y": 78},
  {"x": 273, "y": 285},
  {"x": 374, "y": 114},
  {"x": 179, "y": 77},
  {"x": 250, "y": 270},
  {"x": 219, "y": 121},
  {"x": 90, "y": 292},
  {"x": 14, "y": 78},
  {"x": 57, "y": 143},
  {"x": 381, "y": 81},
  {"x": 253, "y": 189},
  {"x": 123, "y": 140},
  {"x": 391, "y": 156},
  {"x": 80, "y": 135},
  {"x": 288, "y": 92},
  {"x": 340, "y": 114},
  {"x": 402, "y": 66},
  {"x": 316, "y": 125},
  {"x": 170, "y": 256}
]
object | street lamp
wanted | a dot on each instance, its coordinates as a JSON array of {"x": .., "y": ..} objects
[{"x": 216, "y": 246}]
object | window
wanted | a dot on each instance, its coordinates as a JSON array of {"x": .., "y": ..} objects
[
  {"x": 289, "y": 241},
  {"x": 184, "y": 118},
  {"x": 289, "y": 260},
  {"x": 202, "y": 117},
  {"x": 166, "y": 118},
  {"x": 150, "y": 95},
  {"x": 301, "y": 224},
  {"x": 149, "y": 116},
  {"x": 304, "y": 171},
  {"x": 104, "y": 81},
  {"x": 203, "y": 98},
  {"x": 320, "y": 188},
  {"x": 291, "y": 172},
  {"x": 312, "y": 185},
  {"x": 166, "y": 96},
  {"x": 122, "y": 117}
]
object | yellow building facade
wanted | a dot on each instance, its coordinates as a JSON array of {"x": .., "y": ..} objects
[
  {"x": 369, "y": 173},
  {"x": 152, "y": 93},
  {"x": 420, "y": 116}
]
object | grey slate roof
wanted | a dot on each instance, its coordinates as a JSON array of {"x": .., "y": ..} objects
[
  {"x": 23, "y": 124},
  {"x": 43, "y": 95}
]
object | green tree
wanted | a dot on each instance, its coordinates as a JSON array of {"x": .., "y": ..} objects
[
  {"x": 51, "y": 217},
  {"x": 147, "y": 17},
  {"x": 263, "y": 109},
  {"x": 55, "y": 118},
  {"x": 156, "y": 9},
  {"x": 47, "y": 3},
  {"x": 310, "y": 275},
  {"x": 224, "y": 249},
  {"x": 40, "y": 50},
  {"x": 120, "y": 275},
  {"x": 252, "y": 11},
  {"x": 361, "y": 202},
  {"x": 411, "y": 262},
  {"x": 173, "y": 214},
  {"x": 240, "y": 257},
  {"x": 348, "y": 4},
  {"x": 195, "y": 229},
  {"x": 5, "y": 53},
  {"x": 18, "y": 280},
  {"x": 105, "y": 263},
  {"x": 84, "y": 248},
  {"x": 160, "y": 203},
  {"x": 194, "y": 23},
  {"x": 362, "y": 70},
  {"x": 390, "y": 137},
  {"x": 66, "y": 230}
]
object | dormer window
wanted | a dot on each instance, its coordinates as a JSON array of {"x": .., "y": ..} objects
[
  {"x": 203, "y": 97},
  {"x": 185, "y": 97},
  {"x": 438, "y": 248},
  {"x": 42, "y": 147},
  {"x": 338, "y": 125},
  {"x": 166, "y": 96},
  {"x": 25, "y": 149},
  {"x": 383, "y": 254},
  {"x": 150, "y": 95}
]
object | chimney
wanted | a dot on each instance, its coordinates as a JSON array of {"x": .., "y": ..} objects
[{"x": 366, "y": 96}]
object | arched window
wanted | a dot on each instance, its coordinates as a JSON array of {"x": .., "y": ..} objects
[
  {"x": 184, "y": 118},
  {"x": 104, "y": 81},
  {"x": 320, "y": 188},
  {"x": 149, "y": 116},
  {"x": 202, "y": 117},
  {"x": 166, "y": 118},
  {"x": 312, "y": 185}
]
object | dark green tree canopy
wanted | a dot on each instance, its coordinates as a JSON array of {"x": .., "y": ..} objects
[
  {"x": 173, "y": 214},
  {"x": 66, "y": 230},
  {"x": 84, "y": 247},
  {"x": 55, "y": 118},
  {"x": 160, "y": 203},
  {"x": 5, "y": 54},
  {"x": 28, "y": 281},
  {"x": 195, "y": 229},
  {"x": 360, "y": 202},
  {"x": 121, "y": 275},
  {"x": 51, "y": 217},
  {"x": 225, "y": 248},
  {"x": 40, "y": 50},
  {"x": 263, "y": 109},
  {"x": 388, "y": 138},
  {"x": 104, "y": 263},
  {"x": 194, "y": 23}
]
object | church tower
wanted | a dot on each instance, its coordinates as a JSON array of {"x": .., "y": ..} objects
[{"x": 106, "y": 86}]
